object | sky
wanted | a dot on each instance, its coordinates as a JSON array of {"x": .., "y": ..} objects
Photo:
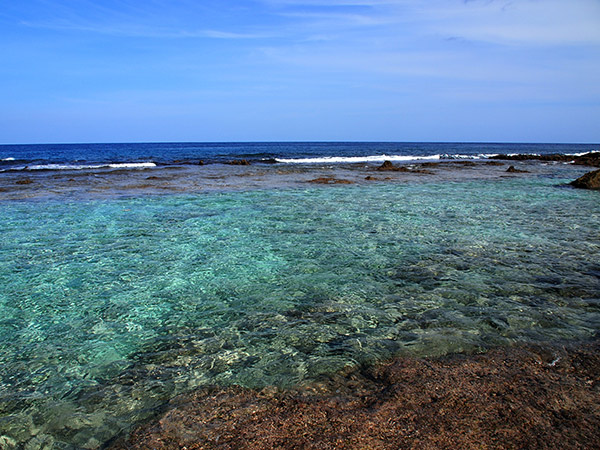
[{"x": 299, "y": 70}]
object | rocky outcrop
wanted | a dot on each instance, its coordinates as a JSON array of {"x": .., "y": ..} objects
[
  {"x": 239, "y": 162},
  {"x": 329, "y": 180},
  {"x": 556, "y": 157},
  {"x": 387, "y": 166},
  {"x": 590, "y": 180},
  {"x": 512, "y": 169},
  {"x": 191, "y": 162},
  {"x": 588, "y": 159}
]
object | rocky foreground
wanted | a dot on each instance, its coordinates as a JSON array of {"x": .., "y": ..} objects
[{"x": 522, "y": 398}]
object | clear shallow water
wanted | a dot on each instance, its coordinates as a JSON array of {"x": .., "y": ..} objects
[{"x": 110, "y": 307}]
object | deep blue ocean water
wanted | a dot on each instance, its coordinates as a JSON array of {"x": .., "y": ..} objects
[
  {"x": 19, "y": 156},
  {"x": 112, "y": 304}
]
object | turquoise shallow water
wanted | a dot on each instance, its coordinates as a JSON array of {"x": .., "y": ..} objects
[{"x": 110, "y": 307}]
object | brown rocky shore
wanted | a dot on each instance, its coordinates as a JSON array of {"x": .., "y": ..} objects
[
  {"x": 511, "y": 398},
  {"x": 587, "y": 159}
]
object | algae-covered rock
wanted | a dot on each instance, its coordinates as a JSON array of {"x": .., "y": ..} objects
[
  {"x": 588, "y": 159},
  {"x": 512, "y": 169},
  {"x": 590, "y": 180},
  {"x": 329, "y": 180},
  {"x": 388, "y": 166},
  {"x": 239, "y": 162}
]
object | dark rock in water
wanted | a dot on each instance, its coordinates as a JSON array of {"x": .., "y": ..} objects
[
  {"x": 387, "y": 166},
  {"x": 556, "y": 157},
  {"x": 589, "y": 159},
  {"x": 423, "y": 171},
  {"x": 370, "y": 178},
  {"x": 590, "y": 180},
  {"x": 269, "y": 161},
  {"x": 189, "y": 162},
  {"x": 329, "y": 180},
  {"x": 512, "y": 169},
  {"x": 24, "y": 181},
  {"x": 239, "y": 162},
  {"x": 494, "y": 163}
]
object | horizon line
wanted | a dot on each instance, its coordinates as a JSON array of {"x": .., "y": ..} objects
[{"x": 299, "y": 142}]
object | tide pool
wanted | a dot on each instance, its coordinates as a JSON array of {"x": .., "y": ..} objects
[{"x": 110, "y": 307}]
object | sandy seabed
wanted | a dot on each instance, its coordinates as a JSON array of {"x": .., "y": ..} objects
[{"x": 511, "y": 398}]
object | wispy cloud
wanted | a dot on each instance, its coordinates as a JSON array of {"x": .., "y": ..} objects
[
  {"x": 140, "y": 31},
  {"x": 501, "y": 22},
  {"x": 503, "y": 46},
  {"x": 392, "y": 54},
  {"x": 520, "y": 22},
  {"x": 151, "y": 19}
]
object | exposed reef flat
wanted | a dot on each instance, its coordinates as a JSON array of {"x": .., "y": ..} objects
[
  {"x": 587, "y": 159},
  {"x": 241, "y": 175},
  {"x": 511, "y": 398}
]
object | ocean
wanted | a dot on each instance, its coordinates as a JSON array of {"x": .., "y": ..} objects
[
  {"x": 82, "y": 156},
  {"x": 132, "y": 273}
]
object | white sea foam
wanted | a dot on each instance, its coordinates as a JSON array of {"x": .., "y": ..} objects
[
  {"x": 8, "y": 159},
  {"x": 356, "y": 159},
  {"x": 132, "y": 165},
  {"x": 479, "y": 156},
  {"x": 577, "y": 154},
  {"x": 89, "y": 166}
]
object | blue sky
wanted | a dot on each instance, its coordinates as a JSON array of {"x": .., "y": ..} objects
[{"x": 271, "y": 70}]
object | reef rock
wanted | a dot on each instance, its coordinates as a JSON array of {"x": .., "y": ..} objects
[
  {"x": 512, "y": 169},
  {"x": 556, "y": 157},
  {"x": 590, "y": 180},
  {"x": 329, "y": 180},
  {"x": 589, "y": 159},
  {"x": 387, "y": 166}
]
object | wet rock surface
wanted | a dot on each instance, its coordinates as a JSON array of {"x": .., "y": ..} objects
[
  {"x": 587, "y": 159},
  {"x": 590, "y": 180},
  {"x": 388, "y": 166},
  {"x": 329, "y": 180},
  {"x": 513, "y": 169},
  {"x": 537, "y": 398},
  {"x": 239, "y": 162}
]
